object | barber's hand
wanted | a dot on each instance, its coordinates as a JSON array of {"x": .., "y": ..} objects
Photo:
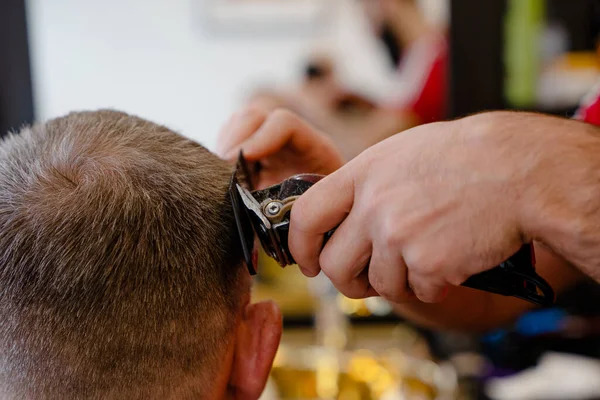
[
  {"x": 282, "y": 142},
  {"x": 422, "y": 210}
]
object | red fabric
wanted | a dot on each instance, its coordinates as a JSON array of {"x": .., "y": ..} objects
[
  {"x": 590, "y": 109},
  {"x": 430, "y": 104}
]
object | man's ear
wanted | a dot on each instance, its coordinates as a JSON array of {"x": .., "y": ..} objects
[{"x": 256, "y": 342}]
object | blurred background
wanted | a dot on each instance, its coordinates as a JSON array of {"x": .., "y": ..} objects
[{"x": 360, "y": 70}]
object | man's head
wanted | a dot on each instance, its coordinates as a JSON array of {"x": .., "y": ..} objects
[{"x": 121, "y": 274}]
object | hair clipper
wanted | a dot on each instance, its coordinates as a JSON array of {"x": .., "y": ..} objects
[{"x": 266, "y": 214}]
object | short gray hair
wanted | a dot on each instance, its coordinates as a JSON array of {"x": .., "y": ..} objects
[{"x": 120, "y": 269}]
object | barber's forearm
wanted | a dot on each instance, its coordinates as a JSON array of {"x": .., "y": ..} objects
[{"x": 561, "y": 203}]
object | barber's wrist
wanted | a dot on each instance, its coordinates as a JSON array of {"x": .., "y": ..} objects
[
  {"x": 529, "y": 158},
  {"x": 560, "y": 200}
]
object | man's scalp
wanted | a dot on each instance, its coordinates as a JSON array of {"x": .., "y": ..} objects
[{"x": 118, "y": 251}]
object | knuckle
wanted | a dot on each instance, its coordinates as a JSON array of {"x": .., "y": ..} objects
[
  {"x": 434, "y": 265},
  {"x": 335, "y": 271},
  {"x": 424, "y": 296},
  {"x": 414, "y": 258},
  {"x": 423, "y": 260},
  {"x": 327, "y": 265},
  {"x": 427, "y": 289},
  {"x": 390, "y": 232},
  {"x": 390, "y": 295},
  {"x": 253, "y": 111},
  {"x": 284, "y": 116},
  {"x": 397, "y": 297},
  {"x": 429, "y": 297},
  {"x": 332, "y": 270},
  {"x": 389, "y": 290},
  {"x": 422, "y": 292}
]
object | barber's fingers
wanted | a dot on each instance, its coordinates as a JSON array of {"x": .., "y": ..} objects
[
  {"x": 428, "y": 265},
  {"x": 388, "y": 274},
  {"x": 283, "y": 128},
  {"x": 345, "y": 258},
  {"x": 320, "y": 209},
  {"x": 426, "y": 288},
  {"x": 238, "y": 129}
]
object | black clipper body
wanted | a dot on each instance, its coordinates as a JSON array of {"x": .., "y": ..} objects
[
  {"x": 515, "y": 277},
  {"x": 266, "y": 214}
]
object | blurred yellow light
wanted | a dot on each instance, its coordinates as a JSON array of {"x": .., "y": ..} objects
[
  {"x": 280, "y": 357},
  {"x": 363, "y": 366},
  {"x": 335, "y": 338},
  {"x": 327, "y": 372},
  {"x": 383, "y": 382},
  {"x": 349, "y": 306},
  {"x": 349, "y": 394}
]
